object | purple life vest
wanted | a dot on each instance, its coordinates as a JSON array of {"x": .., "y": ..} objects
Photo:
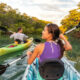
[{"x": 51, "y": 50}]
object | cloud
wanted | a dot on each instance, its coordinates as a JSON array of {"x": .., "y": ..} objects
[
  {"x": 76, "y": 1},
  {"x": 52, "y": 10}
]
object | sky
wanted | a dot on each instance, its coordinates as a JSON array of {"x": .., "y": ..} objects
[{"x": 49, "y": 10}]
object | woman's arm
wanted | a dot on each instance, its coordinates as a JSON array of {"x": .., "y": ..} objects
[
  {"x": 32, "y": 56},
  {"x": 67, "y": 45}
]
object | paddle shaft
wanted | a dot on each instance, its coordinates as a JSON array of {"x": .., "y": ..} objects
[
  {"x": 4, "y": 67},
  {"x": 5, "y": 29},
  {"x": 16, "y": 60},
  {"x": 69, "y": 31}
]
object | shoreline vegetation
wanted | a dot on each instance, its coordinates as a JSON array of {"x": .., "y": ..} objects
[{"x": 11, "y": 19}]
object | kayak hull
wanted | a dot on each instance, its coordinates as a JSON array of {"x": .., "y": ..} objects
[{"x": 6, "y": 50}]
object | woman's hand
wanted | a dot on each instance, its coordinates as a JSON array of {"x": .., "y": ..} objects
[
  {"x": 67, "y": 45},
  {"x": 61, "y": 36},
  {"x": 29, "y": 53}
]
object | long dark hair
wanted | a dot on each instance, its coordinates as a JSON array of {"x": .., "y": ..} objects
[{"x": 54, "y": 30}]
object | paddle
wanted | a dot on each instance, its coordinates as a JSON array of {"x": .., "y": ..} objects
[
  {"x": 5, "y": 29},
  {"x": 78, "y": 26},
  {"x": 4, "y": 67}
]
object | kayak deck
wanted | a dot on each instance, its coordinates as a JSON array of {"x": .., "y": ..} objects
[{"x": 32, "y": 72}]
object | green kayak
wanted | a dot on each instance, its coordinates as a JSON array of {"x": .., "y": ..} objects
[{"x": 17, "y": 47}]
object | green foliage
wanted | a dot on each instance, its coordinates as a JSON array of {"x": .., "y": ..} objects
[
  {"x": 12, "y": 19},
  {"x": 72, "y": 19},
  {"x": 75, "y": 52}
]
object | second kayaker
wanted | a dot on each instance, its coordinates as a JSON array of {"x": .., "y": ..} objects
[
  {"x": 52, "y": 48},
  {"x": 19, "y": 36}
]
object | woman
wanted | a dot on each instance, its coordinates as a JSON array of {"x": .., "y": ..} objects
[{"x": 53, "y": 47}]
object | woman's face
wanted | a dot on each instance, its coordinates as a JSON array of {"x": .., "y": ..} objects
[{"x": 46, "y": 34}]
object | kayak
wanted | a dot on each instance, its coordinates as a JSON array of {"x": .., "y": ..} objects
[
  {"x": 32, "y": 72},
  {"x": 15, "y": 47}
]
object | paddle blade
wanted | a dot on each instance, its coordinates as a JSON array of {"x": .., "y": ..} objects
[
  {"x": 2, "y": 69},
  {"x": 3, "y": 29},
  {"x": 37, "y": 40}
]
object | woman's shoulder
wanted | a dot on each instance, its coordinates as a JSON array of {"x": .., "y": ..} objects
[
  {"x": 40, "y": 48},
  {"x": 40, "y": 45}
]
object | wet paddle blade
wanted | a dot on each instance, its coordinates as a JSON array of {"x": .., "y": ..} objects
[
  {"x": 2, "y": 69},
  {"x": 37, "y": 40}
]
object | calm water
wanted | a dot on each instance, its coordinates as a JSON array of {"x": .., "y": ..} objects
[{"x": 16, "y": 70}]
